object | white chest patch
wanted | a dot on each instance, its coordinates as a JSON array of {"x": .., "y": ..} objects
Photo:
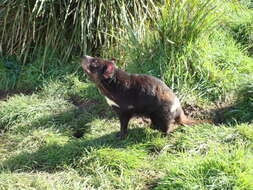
[
  {"x": 111, "y": 103},
  {"x": 175, "y": 105}
]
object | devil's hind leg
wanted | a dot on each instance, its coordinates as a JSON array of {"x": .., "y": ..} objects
[{"x": 161, "y": 122}]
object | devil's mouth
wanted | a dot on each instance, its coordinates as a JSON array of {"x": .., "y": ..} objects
[{"x": 85, "y": 67}]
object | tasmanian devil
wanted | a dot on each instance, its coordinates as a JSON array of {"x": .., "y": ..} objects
[{"x": 135, "y": 94}]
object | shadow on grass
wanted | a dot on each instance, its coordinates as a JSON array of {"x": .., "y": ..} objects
[
  {"x": 54, "y": 157},
  {"x": 79, "y": 108},
  {"x": 241, "y": 111},
  {"x": 72, "y": 122},
  {"x": 5, "y": 94}
]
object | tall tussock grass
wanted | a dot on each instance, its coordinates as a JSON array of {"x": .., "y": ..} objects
[
  {"x": 181, "y": 25},
  {"x": 176, "y": 46},
  {"x": 68, "y": 27},
  {"x": 182, "y": 22},
  {"x": 187, "y": 43},
  {"x": 166, "y": 47}
]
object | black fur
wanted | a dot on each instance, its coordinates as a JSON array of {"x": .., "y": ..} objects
[{"x": 134, "y": 94}]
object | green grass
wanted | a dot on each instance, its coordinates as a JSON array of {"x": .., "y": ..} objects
[
  {"x": 202, "y": 50},
  {"x": 65, "y": 28},
  {"x": 37, "y": 145},
  {"x": 186, "y": 43},
  {"x": 199, "y": 48}
]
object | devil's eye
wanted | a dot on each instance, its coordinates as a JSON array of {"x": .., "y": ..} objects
[{"x": 95, "y": 63}]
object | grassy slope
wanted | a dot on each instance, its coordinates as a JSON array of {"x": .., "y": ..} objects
[{"x": 38, "y": 150}]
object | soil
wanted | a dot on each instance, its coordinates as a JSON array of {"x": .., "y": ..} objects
[{"x": 195, "y": 111}]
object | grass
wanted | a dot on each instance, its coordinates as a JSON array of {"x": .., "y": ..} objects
[
  {"x": 187, "y": 49},
  {"x": 189, "y": 45},
  {"x": 61, "y": 135},
  {"x": 37, "y": 145},
  {"x": 67, "y": 28}
]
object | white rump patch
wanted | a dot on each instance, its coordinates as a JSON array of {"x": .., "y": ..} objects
[
  {"x": 175, "y": 105},
  {"x": 111, "y": 103}
]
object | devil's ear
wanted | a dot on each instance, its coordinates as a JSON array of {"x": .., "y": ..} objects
[
  {"x": 113, "y": 60},
  {"x": 109, "y": 71}
]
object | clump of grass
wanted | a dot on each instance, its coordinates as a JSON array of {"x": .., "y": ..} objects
[
  {"x": 247, "y": 3},
  {"x": 246, "y": 131},
  {"x": 30, "y": 77},
  {"x": 221, "y": 54},
  {"x": 189, "y": 47},
  {"x": 239, "y": 24},
  {"x": 42, "y": 156},
  {"x": 21, "y": 110},
  {"x": 116, "y": 160},
  {"x": 165, "y": 48},
  {"x": 9, "y": 73},
  {"x": 43, "y": 180},
  {"x": 217, "y": 170},
  {"x": 242, "y": 104},
  {"x": 73, "y": 27},
  {"x": 71, "y": 87}
]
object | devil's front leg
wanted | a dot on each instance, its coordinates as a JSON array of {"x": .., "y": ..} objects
[{"x": 124, "y": 118}]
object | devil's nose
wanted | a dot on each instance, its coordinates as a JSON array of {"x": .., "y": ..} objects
[{"x": 87, "y": 57}]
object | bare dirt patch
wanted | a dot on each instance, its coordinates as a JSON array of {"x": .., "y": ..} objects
[{"x": 195, "y": 111}]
